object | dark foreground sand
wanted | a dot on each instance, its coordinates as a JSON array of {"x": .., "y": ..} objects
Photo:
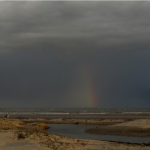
[{"x": 16, "y": 134}]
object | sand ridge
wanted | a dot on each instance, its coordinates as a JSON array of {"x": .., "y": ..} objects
[{"x": 141, "y": 123}]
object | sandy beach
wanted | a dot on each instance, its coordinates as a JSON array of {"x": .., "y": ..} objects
[{"x": 16, "y": 134}]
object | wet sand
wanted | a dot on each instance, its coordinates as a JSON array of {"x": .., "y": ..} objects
[
  {"x": 122, "y": 131},
  {"x": 137, "y": 128}
]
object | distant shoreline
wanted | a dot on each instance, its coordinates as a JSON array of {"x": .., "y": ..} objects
[{"x": 20, "y": 116}]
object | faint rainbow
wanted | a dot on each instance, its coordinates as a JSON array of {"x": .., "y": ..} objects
[{"x": 90, "y": 89}]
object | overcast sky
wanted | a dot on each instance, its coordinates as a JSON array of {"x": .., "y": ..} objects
[{"x": 75, "y": 54}]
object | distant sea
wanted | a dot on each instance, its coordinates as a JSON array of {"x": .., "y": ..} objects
[{"x": 73, "y": 112}]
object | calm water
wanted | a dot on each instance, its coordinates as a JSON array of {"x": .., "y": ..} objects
[{"x": 77, "y": 131}]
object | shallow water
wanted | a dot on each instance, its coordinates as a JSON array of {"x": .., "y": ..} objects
[{"x": 77, "y": 131}]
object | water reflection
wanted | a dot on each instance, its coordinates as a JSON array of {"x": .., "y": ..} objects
[{"x": 77, "y": 131}]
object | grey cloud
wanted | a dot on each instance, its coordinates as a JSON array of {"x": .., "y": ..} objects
[{"x": 27, "y": 24}]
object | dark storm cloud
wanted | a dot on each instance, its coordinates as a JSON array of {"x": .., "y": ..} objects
[
  {"x": 68, "y": 26},
  {"x": 46, "y": 46},
  {"x": 29, "y": 78}
]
